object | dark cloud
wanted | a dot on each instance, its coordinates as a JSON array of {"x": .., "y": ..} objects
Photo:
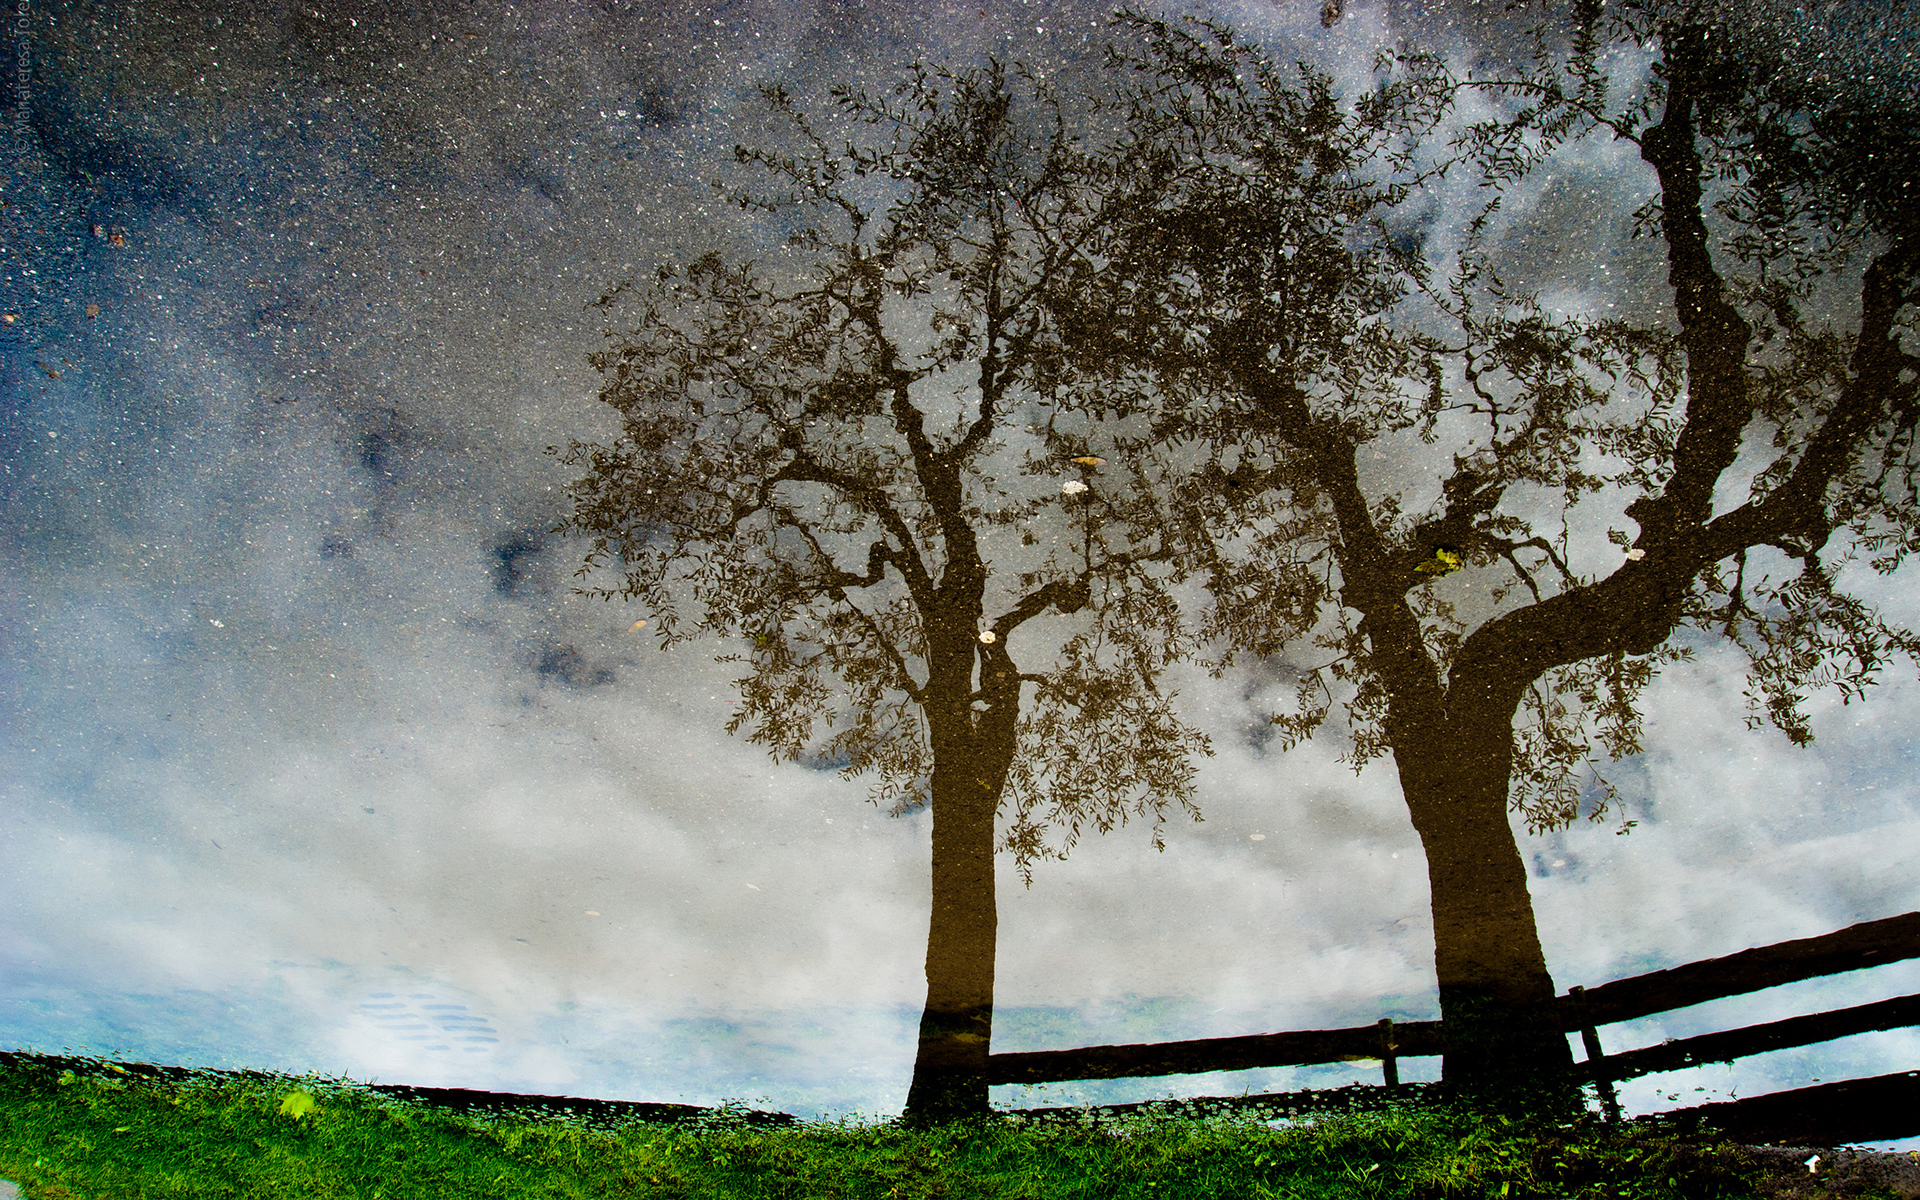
[
  {"x": 117, "y": 171},
  {"x": 385, "y": 445},
  {"x": 513, "y": 562},
  {"x": 566, "y": 665}
]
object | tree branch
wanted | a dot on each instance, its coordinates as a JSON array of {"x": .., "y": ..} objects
[
  {"x": 1712, "y": 332},
  {"x": 804, "y": 468},
  {"x": 1797, "y": 509}
]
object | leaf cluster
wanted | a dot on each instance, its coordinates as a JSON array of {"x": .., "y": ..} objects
[
  {"x": 856, "y": 468},
  {"x": 1277, "y": 289},
  {"x": 1236, "y": 304}
]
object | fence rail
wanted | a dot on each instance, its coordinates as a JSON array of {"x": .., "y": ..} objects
[
  {"x": 1898, "y": 1013},
  {"x": 1582, "y": 1010},
  {"x": 1855, "y": 948},
  {"x": 1306, "y": 1047}
]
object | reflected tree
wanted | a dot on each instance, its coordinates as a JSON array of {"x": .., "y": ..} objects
[
  {"x": 867, "y": 465},
  {"x": 1306, "y": 321}
]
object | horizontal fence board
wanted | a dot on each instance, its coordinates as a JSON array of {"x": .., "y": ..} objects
[
  {"x": 1884, "y": 1108},
  {"x": 1301, "y": 1048},
  {"x": 1897, "y": 1013},
  {"x": 1857, "y": 947}
]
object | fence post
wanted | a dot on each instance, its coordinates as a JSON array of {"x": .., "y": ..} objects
[
  {"x": 1389, "y": 1062},
  {"x": 1596, "y": 1059}
]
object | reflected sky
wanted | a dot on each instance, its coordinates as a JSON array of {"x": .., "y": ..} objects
[{"x": 315, "y": 761}]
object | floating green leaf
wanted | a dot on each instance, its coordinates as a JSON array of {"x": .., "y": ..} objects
[{"x": 297, "y": 1105}]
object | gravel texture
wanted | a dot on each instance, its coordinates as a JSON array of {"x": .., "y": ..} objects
[{"x": 1837, "y": 1173}]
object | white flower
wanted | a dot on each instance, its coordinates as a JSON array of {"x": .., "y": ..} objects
[
  {"x": 986, "y": 635},
  {"x": 1073, "y": 487},
  {"x": 1635, "y": 554}
]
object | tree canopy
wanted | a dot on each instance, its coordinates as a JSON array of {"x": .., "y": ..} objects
[
  {"x": 866, "y": 464},
  {"x": 1302, "y": 310}
]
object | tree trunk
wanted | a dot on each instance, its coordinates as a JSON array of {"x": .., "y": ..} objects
[
  {"x": 1495, "y": 991},
  {"x": 956, "y": 1027}
]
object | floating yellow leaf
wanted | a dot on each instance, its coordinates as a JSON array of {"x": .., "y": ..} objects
[
  {"x": 636, "y": 625},
  {"x": 1091, "y": 460},
  {"x": 1445, "y": 561}
]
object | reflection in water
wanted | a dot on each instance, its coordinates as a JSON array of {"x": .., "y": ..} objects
[
  {"x": 897, "y": 545},
  {"x": 1270, "y": 288},
  {"x": 421, "y": 1017},
  {"x": 947, "y": 470},
  {"x": 293, "y": 677}
]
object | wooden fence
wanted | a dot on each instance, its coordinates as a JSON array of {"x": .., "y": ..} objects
[{"x": 1585, "y": 1010}]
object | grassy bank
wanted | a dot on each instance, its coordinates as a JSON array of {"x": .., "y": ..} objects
[{"x": 97, "y": 1134}]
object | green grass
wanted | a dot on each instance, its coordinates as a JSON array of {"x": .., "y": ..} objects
[{"x": 65, "y": 1136}]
